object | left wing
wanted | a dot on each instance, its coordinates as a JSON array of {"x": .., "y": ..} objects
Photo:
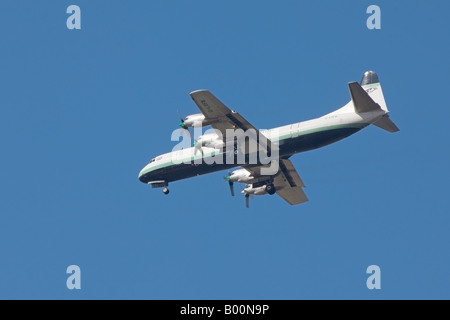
[
  {"x": 288, "y": 184},
  {"x": 222, "y": 118}
]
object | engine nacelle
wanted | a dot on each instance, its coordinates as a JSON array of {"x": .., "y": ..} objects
[
  {"x": 268, "y": 188},
  {"x": 195, "y": 120},
  {"x": 210, "y": 140},
  {"x": 256, "y": 191},
  {"x": 240, "y": 175},
  {"x": 207, "y": 138}
]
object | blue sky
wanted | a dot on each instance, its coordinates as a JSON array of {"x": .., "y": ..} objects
[{"x": 82, "y": 111}]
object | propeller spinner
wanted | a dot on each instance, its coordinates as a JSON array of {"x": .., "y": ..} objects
[{"x": 182, "y": 125}]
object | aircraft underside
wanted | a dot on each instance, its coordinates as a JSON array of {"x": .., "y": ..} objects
[
  {"x": 264, "y": 176},
  {"x": 287, "y": 147}
]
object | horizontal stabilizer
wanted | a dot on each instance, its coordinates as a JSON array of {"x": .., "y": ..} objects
[
  {"x": 361, "y": 100},
  {"x": 386, "y": 123}
]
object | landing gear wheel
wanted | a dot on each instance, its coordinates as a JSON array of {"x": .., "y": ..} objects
[
  {"x": 270, "y": 189},
  {"x": 165, "y": 190}
]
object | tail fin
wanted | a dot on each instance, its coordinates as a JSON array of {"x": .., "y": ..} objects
[
  {"x": 361, "y": 99},
  {"x": 371, "y": 84},
  {"x": 368, "y": 96}
]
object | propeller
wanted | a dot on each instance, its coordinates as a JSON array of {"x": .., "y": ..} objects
[
  {"x": 197, "y": 146},
  {"x": 230, "y": 183},
  {"x": 182, "y": 125},
  {"x": 247, "y": 202}
]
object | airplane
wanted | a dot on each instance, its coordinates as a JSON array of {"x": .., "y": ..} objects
[{"x": 209, "y": 152}]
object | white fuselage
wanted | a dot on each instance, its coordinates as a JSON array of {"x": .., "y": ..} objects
[{"x": 326, "y": 129}]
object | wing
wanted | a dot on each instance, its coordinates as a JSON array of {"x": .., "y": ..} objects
[
  {"x": 288, "y": 184},
  {"x": 222, "y": 118}
]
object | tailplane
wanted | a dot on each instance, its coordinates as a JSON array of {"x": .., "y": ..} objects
[{"x": 386, "y": 123}]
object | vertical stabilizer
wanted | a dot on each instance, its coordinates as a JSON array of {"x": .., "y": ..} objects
[
  {"x": 371, "y": 84},
  {"x": 367, "y": 99}
]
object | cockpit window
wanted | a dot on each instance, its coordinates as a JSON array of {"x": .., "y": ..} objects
[{"x": 156, "y": 159}]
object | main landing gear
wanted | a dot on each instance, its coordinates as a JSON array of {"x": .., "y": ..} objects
[
  {"x": 270, "y": 188},
  {"x": 165, "y": 190}
]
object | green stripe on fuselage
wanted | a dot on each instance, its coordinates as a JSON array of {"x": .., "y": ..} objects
[
  {"x": 295, "y": 134},
  {"x": 327, "y": 128}
]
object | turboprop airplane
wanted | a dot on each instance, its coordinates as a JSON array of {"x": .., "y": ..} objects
[{"x": 264, "y": 154}]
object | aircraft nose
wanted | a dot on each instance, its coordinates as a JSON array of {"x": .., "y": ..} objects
[{"x": 141, "y": 176}]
